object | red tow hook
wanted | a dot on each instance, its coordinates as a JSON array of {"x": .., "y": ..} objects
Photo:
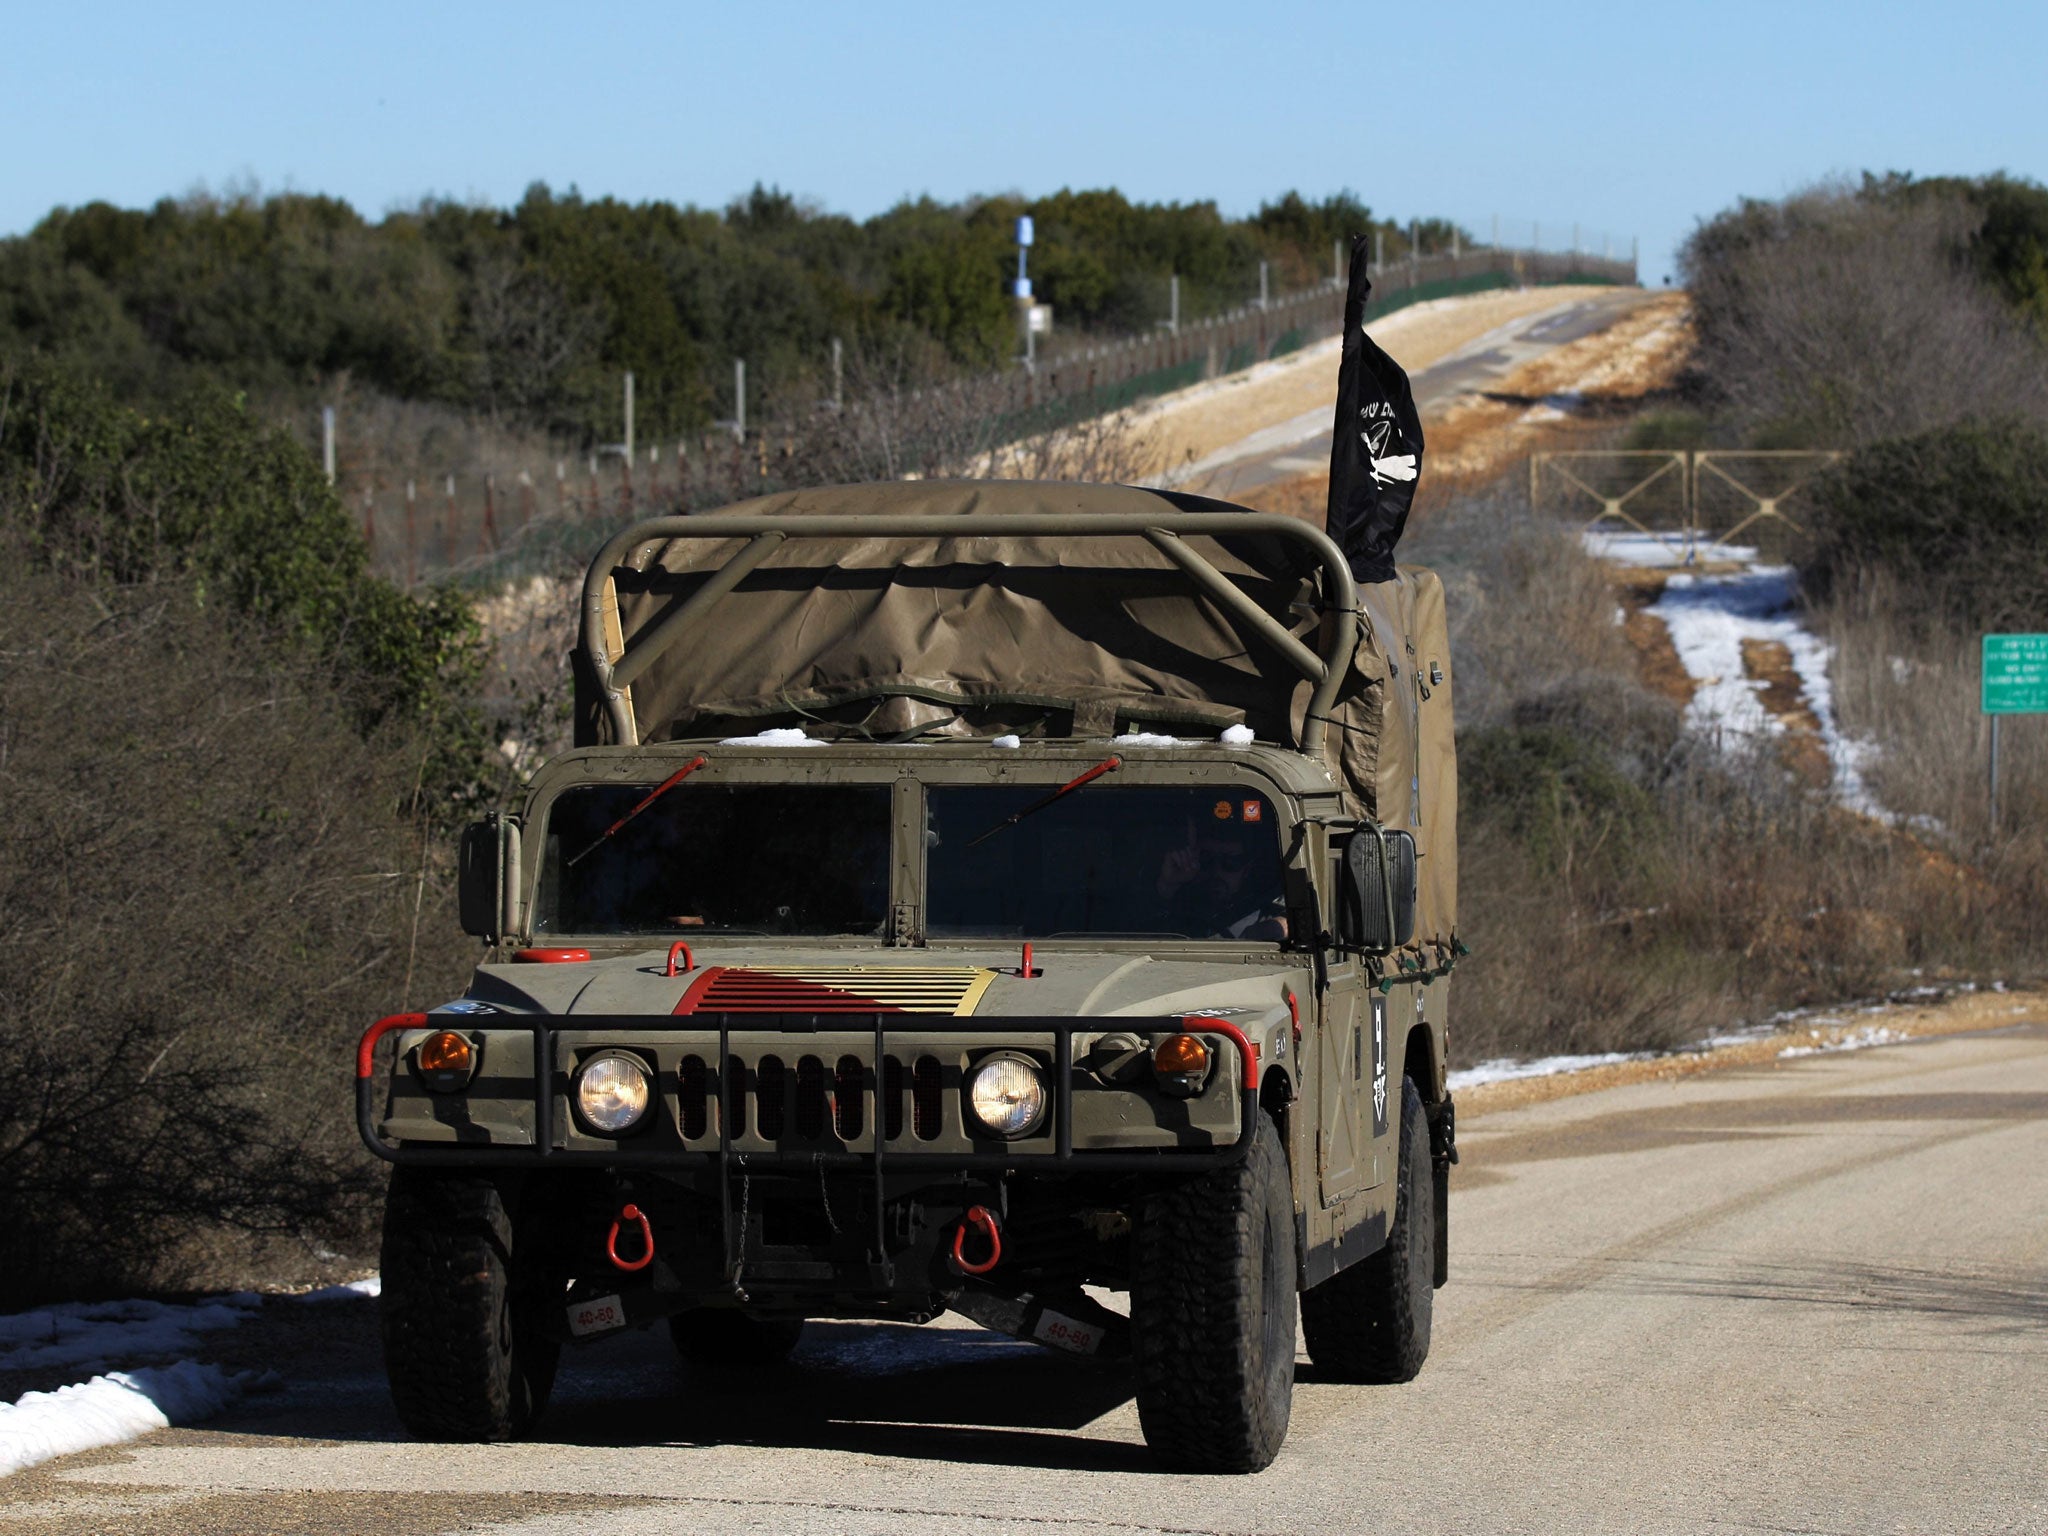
[
  {"x": 983, "y": 1220},
  {"x": 611, "y": 1241}
]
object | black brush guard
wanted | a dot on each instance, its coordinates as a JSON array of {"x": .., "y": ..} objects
[{"x": 877, "y": 1159}]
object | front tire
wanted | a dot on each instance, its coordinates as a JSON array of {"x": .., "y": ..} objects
[
  {"x": 1370, "y": 1323},
  {"x": 1213, "y": 1312},
  {"x": 462, "y": 1310}
]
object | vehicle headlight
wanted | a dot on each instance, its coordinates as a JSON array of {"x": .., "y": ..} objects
[
  {"x": 612, "y": 1092},
  {"x": 1007, "y": 1095}
]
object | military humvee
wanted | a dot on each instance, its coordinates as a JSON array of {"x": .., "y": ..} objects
[{"x": 984, "y": 897}]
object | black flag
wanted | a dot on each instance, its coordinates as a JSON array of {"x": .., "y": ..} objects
[{"x": 1376, "y": 446}]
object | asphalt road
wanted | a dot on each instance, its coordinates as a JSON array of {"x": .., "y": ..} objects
[
  {"x": 1302, "y": 445},
  {"x": 1813, "y": 1299}
]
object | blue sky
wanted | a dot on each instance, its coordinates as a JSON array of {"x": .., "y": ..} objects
[{"x": 1627, "y": 119}]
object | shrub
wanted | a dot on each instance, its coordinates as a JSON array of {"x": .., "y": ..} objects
[
  {"x": 1840, "y": 317},
  {"x": 204, "y": 490},
  {"x": 1956, "y": 518},
  {"x": 207, "y": 895}
]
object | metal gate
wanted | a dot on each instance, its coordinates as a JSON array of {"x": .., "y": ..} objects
[{"x": 1709, "y": 496}]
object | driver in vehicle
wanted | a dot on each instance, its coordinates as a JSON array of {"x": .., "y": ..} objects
[{"x": 1223, "y": 882}]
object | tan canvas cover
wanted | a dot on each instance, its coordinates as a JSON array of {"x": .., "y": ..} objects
[
  {"x": 1103, "y": 630},
  {"x": 1397, "y": 740},
  {"x": 1053, "y": 635}
]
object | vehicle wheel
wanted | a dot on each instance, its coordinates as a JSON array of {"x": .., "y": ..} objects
[
  {"x": 1212, "y": 1314},
  {"x": 1371, "y": 1322},
  {"x": 718, "y": 1337},
  {"x": 463, "y": 1305}
]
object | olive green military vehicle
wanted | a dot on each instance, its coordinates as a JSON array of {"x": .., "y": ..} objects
[{"x": 996, "y": 898}]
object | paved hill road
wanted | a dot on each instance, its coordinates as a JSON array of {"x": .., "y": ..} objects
[
  {"x": 1806, "y": 1298},
  {"x": 1300, "y": 445}
]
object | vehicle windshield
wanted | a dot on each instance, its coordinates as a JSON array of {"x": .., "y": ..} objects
[
  {"x": 749, "y": 858},
  {"x": 1182, "y": 862}
]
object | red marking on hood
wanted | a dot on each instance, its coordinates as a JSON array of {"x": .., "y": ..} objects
[{"x": 737, "y": 989}]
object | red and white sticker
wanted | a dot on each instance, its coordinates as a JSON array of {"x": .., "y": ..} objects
[
  {"x": 602, "y": 1314},
  {"x": 1063, "y": 1332},
  {"x": 1254, "y": 810}
]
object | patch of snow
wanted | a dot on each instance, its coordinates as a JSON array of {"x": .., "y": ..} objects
[
  {"x": 1237, "y": 736},
  {"x": 777, "y": 736},
  {"x": 99, "y": 1332},
  {"x": 1147, "y": 739},
  {"x": 1709, "y": 618},
  {"x": 1857, "y": 1040},
  {"x": 1660, "y": 550},
  {"x": 1555, "y": 407},
  {"x": 353, "y": 1290},
  {"x": 1009, "y": 743},
  {"x": 1506, "y": 1069},
  {"x": 113, "y": 1409}
]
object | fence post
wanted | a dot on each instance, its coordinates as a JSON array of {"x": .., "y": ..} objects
[
  {"x": 488, "y": 540},
  {"x": 412, "y": 560},
  {"x": 739, "y": 398},
  {"x": 838, "y": 374},
  {"x": 327, "y": 441},
  {"x": 448, "y": 528},
  {"x": 629, "y": 415},
  {"x": 1993, "y": 785}
]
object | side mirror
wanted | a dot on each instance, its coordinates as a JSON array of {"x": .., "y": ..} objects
[
  {"x": 477, "y": 883},
  {"x": 1376, "y": 905}
]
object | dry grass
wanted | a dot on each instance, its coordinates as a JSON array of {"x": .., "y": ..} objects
[{"x": 1626, "y": 887}]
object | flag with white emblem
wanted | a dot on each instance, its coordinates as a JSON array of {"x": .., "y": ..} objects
[{"x": 1376, "y": 449}]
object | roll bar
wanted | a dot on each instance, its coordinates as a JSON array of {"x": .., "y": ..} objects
[{"x": 1166, "y": 531}]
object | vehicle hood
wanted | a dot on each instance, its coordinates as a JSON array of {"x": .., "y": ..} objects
[{"x": 952, "y": 983}]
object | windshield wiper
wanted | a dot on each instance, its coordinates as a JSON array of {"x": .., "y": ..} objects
[
  {"x": 1107, "y": 765},
  {"x": 653, "y": 795}
]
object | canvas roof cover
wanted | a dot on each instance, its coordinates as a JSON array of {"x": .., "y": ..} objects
[{"x": 1089, "y": 632}]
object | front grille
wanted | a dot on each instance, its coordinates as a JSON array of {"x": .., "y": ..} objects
[
  {"x": 812, "y": 1102},
  {"x": 926, "y": 1101}
]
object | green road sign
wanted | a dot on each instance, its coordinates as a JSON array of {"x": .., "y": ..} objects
[{"x": 2015, "y": 674}]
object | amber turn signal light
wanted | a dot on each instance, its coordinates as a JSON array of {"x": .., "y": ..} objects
[
  {"x": 1182, "y": 1062},
  {"x": 445, "y": 1052}
]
